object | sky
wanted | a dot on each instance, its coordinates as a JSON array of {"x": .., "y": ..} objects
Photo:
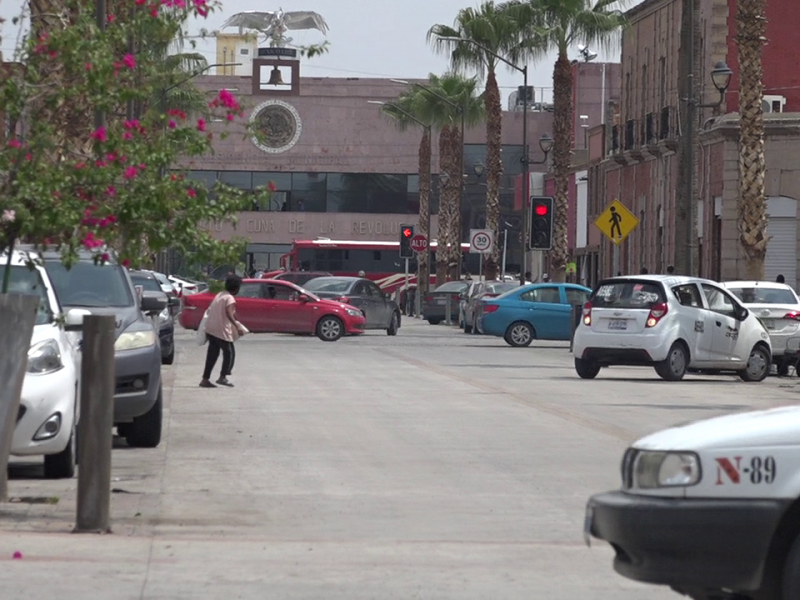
[{"x": 368, "y": 38}]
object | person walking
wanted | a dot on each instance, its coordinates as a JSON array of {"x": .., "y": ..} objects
[
  {"x": 780, "y": 279},
  {"x": 222, "y": 329}
]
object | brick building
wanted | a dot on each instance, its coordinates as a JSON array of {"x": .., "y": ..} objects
[{"x": 634, "y": 157}]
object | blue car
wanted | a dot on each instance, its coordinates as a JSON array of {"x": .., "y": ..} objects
[{"x": 538, "y": 311}]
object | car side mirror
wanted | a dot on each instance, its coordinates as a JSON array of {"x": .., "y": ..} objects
[
  {"x": 73, "y": 320},
  {"x": 153, "y": 302},
  {"x": 304, "y": 298},
  {"x": 740, "y": 313}
]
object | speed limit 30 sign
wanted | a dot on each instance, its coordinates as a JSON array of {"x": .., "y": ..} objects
[{"x": 480, "y": 241}]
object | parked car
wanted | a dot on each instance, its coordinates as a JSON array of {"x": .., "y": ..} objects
[
  {"x": 48, "y": 411},
  {"x": 164, "y": 321},
  {"x": 537, "y": 311},
  {"x": 380, "y": 311},
  {"x": 477, "y": 291},
  {"x": 186, "y": 287},
  {"x": 106, "y": 289},
  {"x": 709, "y": 508},
  {"x": 434, "y": 305},
  {"x": 778, "y": 308},
  {"x": 671, "y": 323},
  {"x": 265, "y": 305}
]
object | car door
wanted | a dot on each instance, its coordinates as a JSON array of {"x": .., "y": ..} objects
[
  {"x": 382, "y": 308},
  {"x": 251, "y": 309},
  {"x": 474, "y": 293},
  {"x": 547, "y": 311},
  {"x": 725, "y": 347},
  {"x": 288, "y": 314},
  {"x": 360, "y": 297},
  {"x": 696, "y": 322}
]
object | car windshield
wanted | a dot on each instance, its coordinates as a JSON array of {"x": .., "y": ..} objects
[
  {"x": 321, "y": 284},
  {"x": 149, "y": 284},
  {"x": 88, "y": 284},
  {"x": 452, "y": 286},
  {"x": 627, "y": 294},
  {"x": 501, "y": 288},
  {"x": 764, "y": 295},
  {"x": 28, "y": 282},
  {"x": 298, "y": 278}
]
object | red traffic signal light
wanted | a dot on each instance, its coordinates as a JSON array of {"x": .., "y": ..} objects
[
  {"x": 407, "y": 232},
  {"x": 540, "y": 210}
]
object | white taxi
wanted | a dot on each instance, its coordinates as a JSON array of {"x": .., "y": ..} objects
[
  {"x": 711, "y": 509},
  {"x": 671, "y": 323}
]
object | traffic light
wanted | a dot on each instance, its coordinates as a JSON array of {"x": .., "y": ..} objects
[
  {"x": 406, "y": 234},
  {"x": 541, "y": 223}
]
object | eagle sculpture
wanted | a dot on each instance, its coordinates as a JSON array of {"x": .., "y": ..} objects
[{"x": 274, "y": 24}]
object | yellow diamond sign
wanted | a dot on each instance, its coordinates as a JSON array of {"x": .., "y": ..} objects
[{"x": 616, "y": 222}]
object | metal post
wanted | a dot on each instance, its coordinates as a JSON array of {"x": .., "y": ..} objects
[
  {"x": 615, "y": 260},
  {"x": 96, "y": 423},
  {"x": 18, "y": 317},
  {"x": 405, "y": 307},
  {"x": 480, "y": 267},
  {"x": 689, "y": 137},
  {"x": 525, "y": 177},
  {"x": 505, "y": 249}
]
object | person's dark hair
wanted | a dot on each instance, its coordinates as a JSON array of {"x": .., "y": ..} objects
[
  {"x": 233, "y": 283},
  {"x": 644, "y": 271},
  {"x": 670, "y": 269},
  {"x": 780, "y": 279}
]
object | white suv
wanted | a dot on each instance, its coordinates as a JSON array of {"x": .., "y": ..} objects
[{"x": 671, "y": 323}]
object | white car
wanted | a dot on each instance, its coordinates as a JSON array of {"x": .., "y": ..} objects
[
  {"x": 186, "y": 287},
  {"x": 47, "y": 417},
  {"x": 671, "y": 323},
  {"x": 778, "y": 307},
  {"x": 711, "y": 509},
  {"x": 166, "y": 285}
]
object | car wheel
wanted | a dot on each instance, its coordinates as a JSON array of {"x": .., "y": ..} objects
[
  {"x": 62, "y": 465},
  {"x": 329, "y": 329},
  {"x": 393, "y": 326},
  {"x": 673, "y": 368},
  {"x": 586, "y": 369},
  {"x": 757, "y": 365},
  {"x": 519, "y": 334},
  {"x": 145, "y": 431},
  {"x": 434, "y": 321},
  {"x": 169, "y": 358}
]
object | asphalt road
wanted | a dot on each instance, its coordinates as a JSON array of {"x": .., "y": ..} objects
[{"x": 433, "y": 464}]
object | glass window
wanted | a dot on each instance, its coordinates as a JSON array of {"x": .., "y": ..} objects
[
  {"x": 688, "y": 295},
  {"x": 764, "y": 295},
  {"x": 281, "y": 292},
  {"x": 309, "y": 181},
  {"x": 576, "y": 296},
  {"x": 250, "y": 290},
  {"x": 148, "y": 283},
  {"x": 453, "y": 287},
  {"x": 548, "y": 295},
  {"x": 628, "y": 294},
  {"x": 373, "y": 290},
  {"x": 718, "y": 301},
  {"x": 240, "y": 179},
  {"x": 29, "y": 283},
  {"x": 88, "y": 284},
  {"x": 282, "y": 181},
  {"x": 327, "y": 284},
  {"x": 209, "y": 178}
]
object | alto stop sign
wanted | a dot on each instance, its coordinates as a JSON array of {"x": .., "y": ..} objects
[{"x": 419, "y": 243}]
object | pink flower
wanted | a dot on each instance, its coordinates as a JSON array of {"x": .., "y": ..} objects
[
  {"x": 8, "y": 216},
  {"x": 272, "y": 187},
  {"x": 125, "y": 262},
  {"x": 227, "y": 99},
  {"x": 14, "y": 144},
  {"x": 100, "y": 134},
  {"x": 129, "y": 61},
  {"x": 105, "y": 257},
  {"x": 130, "y": 173},
  {"x": 201, "y": 124},
  {"x": 134, "y": 124},
  {"x": 191, "y": 193},
  {"x": 88, "y": 66},
  {"x": 127, "y": 135},
  {"x": 172, "y": 124},
  {"x": 229, "y": 116},
  {"x": 142, "y": 166},
  {"x": 110, "y": 190}
]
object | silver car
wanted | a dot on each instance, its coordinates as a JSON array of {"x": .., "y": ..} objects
[{"x": 778, "y": 308}]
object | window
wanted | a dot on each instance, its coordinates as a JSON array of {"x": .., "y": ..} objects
[
  {"x": 576, "y": 296},
  {"x": 548, "y": 295},
  {"x": 90, "y": 285},
  {"x": 149, "y": 284},
  {"x": 764, "y": 295},
  {"x": 719, "y": 301},
  {"x": 328, "y": 284},
  {"x": 280, "y": 292},
  {"x": 29, "y": 282},
  {"x": 628, "y": 294},
  {"x": 251, "y": 290},
  {"x": 373, "y": 290},
  {"x": 688, "y": 295}
]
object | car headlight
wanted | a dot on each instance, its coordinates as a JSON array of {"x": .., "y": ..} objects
[
  {"x": 44, "y": 357},
  {"x": 132, "y": 340},
  {"x": 666, "y": 469},
  {"x": 163, "y": 316},
  {"x": 354, "y": 312}
]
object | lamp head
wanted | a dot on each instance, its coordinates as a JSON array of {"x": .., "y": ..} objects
[
  {"x": 721, "y": 76},
  {"x": 546, "y": 143}
]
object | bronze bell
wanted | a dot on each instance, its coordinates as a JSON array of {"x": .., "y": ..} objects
[{"x": 275, "y": 77}]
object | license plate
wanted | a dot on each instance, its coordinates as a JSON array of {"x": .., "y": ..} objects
[
  {"x": 618, "y": 324},
  {"x": 438, "y": 301},
  {"x": 587, "y": 525}
]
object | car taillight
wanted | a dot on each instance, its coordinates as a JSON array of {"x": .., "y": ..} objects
[
  {"x": 656, "y": 314},
  {"x": 587, "y": 313},
  {"x": 428, "y": 298},
  {"x": 795, "y": 315},
  {"x": 490, "y": 308}
]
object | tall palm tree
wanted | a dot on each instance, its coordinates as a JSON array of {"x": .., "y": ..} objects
[
  {"x": 555, "y": 25},
  {"x": 492, "y": 27},
  {"x": 750, "y": 29}
]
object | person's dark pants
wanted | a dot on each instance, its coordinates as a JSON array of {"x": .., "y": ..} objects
[
  {"x": 233, "y": 359},
  {"x": 215, "y": 345}
]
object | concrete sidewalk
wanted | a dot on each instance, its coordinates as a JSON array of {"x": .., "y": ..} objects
[{"x": 330, "y": 471}]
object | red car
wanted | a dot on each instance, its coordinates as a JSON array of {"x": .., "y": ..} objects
[{"x": 267, "y": 305}]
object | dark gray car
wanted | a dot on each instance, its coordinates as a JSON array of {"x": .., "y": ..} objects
[
  {"x": 107, "y": 290},
  {"x": 379, "y": 309}
]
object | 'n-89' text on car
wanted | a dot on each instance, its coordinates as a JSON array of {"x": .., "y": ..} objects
[{"x": 671, "y": 323}]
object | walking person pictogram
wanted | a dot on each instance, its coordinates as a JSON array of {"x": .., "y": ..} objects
[{"x": 615, "y": 220}]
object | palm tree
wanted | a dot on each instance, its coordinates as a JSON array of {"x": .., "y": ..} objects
[
  {"x": 495, "y": 30},
  {"x": 750, "y": 30},
  {"x": 555, "y": 25}
]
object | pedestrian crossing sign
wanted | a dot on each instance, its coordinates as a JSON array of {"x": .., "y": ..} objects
[{"x": 616, "y": 222}]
